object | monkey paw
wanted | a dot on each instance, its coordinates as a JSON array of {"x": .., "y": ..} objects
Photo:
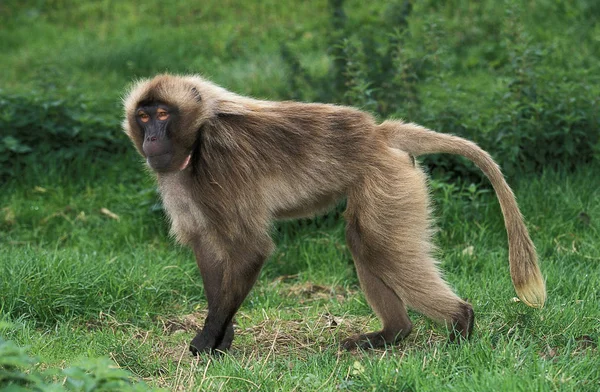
[
  {"x": 462, "y": 325},
  {"x": 378, "y": 339},
  {"x": 205, "y": 342},
  {"x": 364, "y": 342}
]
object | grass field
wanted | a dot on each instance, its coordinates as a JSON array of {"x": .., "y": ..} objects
[
  {"x": 77, "y": 283},
  {"x": 87, "y": 269}
]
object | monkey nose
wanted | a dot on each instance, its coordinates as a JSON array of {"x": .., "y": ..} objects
[{"x": 155, "y": 145}]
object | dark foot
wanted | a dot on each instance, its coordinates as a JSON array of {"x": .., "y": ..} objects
[
  {"x": 205, "y": 342},
  {"x": 371, "y": 340},
  {"x": 365, "y": 341},
  {"x": 462, "y": 324},
  {"x": 202, "y": 343},
  {"x": 227, "y": 339}
]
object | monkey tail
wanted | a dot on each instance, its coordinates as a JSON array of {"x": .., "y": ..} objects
[{"x": 524, "y": 270}]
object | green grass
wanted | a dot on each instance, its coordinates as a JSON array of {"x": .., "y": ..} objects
[
  {"x": 78, "y": 282},
  {"x": 101, "y": 46}
]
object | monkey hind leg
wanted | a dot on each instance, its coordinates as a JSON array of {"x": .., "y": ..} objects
[
  {"x": 389, "y": 235},
  {"x": 385, "y": 302}
]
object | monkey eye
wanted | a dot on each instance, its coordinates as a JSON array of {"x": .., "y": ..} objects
[
  {"x": 143, "y": 116},
  {"x": 162, "y": 114}
]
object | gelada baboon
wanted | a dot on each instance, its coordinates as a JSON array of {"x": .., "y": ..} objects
[{"x": 227, "y": 166}]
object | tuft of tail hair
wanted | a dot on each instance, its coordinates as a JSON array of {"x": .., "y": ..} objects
[{"x": 524, "y": 269}]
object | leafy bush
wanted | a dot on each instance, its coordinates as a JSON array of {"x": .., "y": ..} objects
[
  {"x": 38, "y": 127},
  {"x": 486, "y": 74},
  {"x": 18, "y": 373}
]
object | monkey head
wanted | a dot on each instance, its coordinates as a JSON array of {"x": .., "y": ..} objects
[{"x": 164, "y": 117}]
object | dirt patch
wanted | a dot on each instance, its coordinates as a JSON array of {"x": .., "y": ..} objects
[
  {"x": 309, "y": 291},
  {"x": 188, "y": 323}
]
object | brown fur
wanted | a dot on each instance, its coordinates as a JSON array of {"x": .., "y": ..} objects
[{"x": 256, "y": 161}]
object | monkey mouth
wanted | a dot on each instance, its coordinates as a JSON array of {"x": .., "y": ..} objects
[
  {"x": 163, "y": 162},
  {"x": 160, "y": 162}
]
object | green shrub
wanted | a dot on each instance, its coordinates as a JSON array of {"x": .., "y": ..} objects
[
  {"x": 40, "y": 126},
  {"x": 486, "y": 73},
  {"x": 18, "y": 372}
]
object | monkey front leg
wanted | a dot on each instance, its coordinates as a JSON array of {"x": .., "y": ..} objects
[{"x": 227, "y": 282}]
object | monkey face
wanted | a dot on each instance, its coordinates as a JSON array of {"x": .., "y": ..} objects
[
  {"x": 157, "y": 121},
  {"x": 165, "y": 116}
]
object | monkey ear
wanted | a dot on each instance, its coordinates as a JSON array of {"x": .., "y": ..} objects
[
  {"x": 196, "y": 94},
  {"x": 223, "y": 107}
]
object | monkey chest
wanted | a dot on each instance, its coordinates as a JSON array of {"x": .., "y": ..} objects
[{"x": 186, "y": 217}]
